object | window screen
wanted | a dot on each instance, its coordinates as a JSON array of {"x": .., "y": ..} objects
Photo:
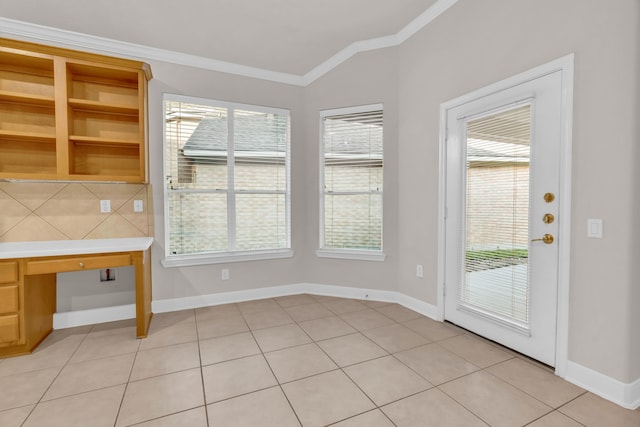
[
  {"x": 352, "y": 172},
  {"x": 227, "y": 177}
]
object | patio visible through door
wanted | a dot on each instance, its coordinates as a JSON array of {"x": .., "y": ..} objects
[{"x": 502, "y": 190}]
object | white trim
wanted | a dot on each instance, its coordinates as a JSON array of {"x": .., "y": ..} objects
[
  {"x": 93, "y": 316},
  {"x": 626, "y": 395},
  {"x": 354, "y": 255},
  {"x": 565, "y": 66},
  {"x": 73, "y": 40},
  {"x": 190, "y": 260},
  {"x": 184, "y": 303}
]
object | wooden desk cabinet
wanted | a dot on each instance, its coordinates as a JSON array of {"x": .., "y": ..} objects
[{"x": 28, "y": 294}]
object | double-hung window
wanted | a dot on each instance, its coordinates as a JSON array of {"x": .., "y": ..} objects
[
  {"x": 351, "y": 180},
  {"x": 227, "y": 191}
]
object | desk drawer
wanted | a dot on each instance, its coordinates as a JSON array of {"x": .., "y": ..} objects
[
  {"x": 61, "y": 265},
  {"x": 8, "y": 299},
  {"x": 9, "y": 329},
  {"x": 8, "y": 272}
]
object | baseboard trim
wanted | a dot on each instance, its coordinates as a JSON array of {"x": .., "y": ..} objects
[
  {"x": 93, "y": 316},
  {"x": 626, "y": 395},
  {"x": 175, "y": 304}
]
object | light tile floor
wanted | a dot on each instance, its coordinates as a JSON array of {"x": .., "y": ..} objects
[{"x": 296, "y": 360}]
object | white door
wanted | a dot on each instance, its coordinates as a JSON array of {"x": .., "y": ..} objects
[{"x": 502, "y": 216}]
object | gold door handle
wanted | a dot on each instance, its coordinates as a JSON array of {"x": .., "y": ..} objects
[
  {"x": 547, "y": 239},
  {"x": 81, "y": 264}
]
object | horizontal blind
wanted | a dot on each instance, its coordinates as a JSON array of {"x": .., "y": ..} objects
[
  {"x": 227, "y": 178},
  {"x": 497, "y": 215},
  {"x": 352, "y": 147}
]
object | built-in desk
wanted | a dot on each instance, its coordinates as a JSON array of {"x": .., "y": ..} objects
[{"x": 28, "y": 283}]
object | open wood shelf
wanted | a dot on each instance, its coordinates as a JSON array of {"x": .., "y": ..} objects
[{"x": 71, "y": 115}]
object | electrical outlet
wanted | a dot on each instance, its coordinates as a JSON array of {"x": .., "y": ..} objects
[
  {"x": 105, "y": 206},
  {"x": 224, "y": 274},
  {"x": 137, "y": 206},
  {"x": 419, "y": 271}
]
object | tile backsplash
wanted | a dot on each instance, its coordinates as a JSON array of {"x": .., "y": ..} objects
[{"x": 31, "y": 211}]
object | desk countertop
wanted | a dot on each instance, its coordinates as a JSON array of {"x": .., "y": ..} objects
[{"x": 72, "y": 247}]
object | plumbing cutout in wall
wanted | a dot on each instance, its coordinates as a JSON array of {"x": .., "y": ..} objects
[{"x": 107, "y": 275}]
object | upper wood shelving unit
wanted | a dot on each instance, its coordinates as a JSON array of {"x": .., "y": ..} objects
[{"x": 69, "y": 115}]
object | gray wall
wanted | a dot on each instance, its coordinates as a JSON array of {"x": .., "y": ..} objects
[{"x": 476, "y": 43}]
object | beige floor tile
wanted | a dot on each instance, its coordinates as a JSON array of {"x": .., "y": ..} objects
[
  {"x": 430, "y": 408},
  {"x": 495, "y": 401},
  {"x": 394, "y": 338},
  {"x": 294, "y": 300},
  {"x": 475, "y": 350},
  {"x": 366, "y": 319},
  {"x": 236, "y": 377},
  {"x": 219, "y": 327},
  {"x": 327, "y": 327},
  {"x": 127, "y": 326},
  {"x": 344, "y": 306},
  {"x": 386, "y": 379},
  {"x": 432, "y": 329},
  {"x": 299, "y": 362},
  {"x": 398, "y": 312},
  {"x": 165, "y": 360},
  {"x": 192, "y": 418},
  {"x": 435, "y": 363},
  {"x": 247, "y": 307},
  {"x": 373, "y": 418},
  {"x": 280, "y": 337},
  {"x": 105, "y": 346},
  {"x": 592, "y": 410},
  {"x": 326, "y": 398},
  {"x": 555, "y": 419},
  {"x": 263, "y": 408},
  {"x": 229, "y": 347},
  {"x": 91, "y": 375},
  {"x": 15, "y": 417},
  {"x": 96, "y": 408},
  {"x": 375, "y": 304},
  {"x": 159, "y": 396},
  {"x": 25, "y": 388},
  {"x": 325, "y": 298},
  {"x": 537, "y": 382},
  {"x": 53, "y": 352},
  {"x": 216, "y": 312},
  {"x": 350, "y": 349},
  {"x": 300, "y": 313},
  {"x": 169, "y": 330},
  {"x": 267, "y": 318}
]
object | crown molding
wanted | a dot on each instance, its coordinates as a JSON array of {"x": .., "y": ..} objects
[{"x": 42, "y": 34}]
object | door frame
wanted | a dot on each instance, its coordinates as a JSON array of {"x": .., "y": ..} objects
[{"x": 566, "y": 67}]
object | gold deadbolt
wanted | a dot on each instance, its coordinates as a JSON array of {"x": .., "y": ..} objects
[
  {"x": 548, "y": 218},
  {"x": 549, "y": 197},
  {"x": 547, "y": 239}
]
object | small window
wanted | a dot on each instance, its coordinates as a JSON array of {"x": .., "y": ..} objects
[
  {"x": 351, "y": 178},
  {"x": 227, "y": 181}
]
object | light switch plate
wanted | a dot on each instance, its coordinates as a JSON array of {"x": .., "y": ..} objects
[
  {"x": 137, "y": 206},
  {"x": 594, "y": 228},
  {"x": 105, "y": 206}
]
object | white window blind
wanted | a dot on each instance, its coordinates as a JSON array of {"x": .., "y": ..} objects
[
  {"x": 495, "y": 250},
  {"x": 227, "y": 177},
  {"x": 352, "y": 173}
]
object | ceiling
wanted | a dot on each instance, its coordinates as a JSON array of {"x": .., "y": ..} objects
[{"x": 285, "y": 36}]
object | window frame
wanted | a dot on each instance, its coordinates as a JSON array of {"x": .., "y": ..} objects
[
  {"x": 345, "y": 253},
  {"x": 183, "y": 260}
]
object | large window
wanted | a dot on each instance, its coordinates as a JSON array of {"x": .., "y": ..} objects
[
  {"x": 227, "y": 181},
  {"x": 351, "y": 178}
]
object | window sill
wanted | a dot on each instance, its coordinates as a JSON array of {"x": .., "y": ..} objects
[
  {"x": 191, "y": 260},
  {"x": 351, "y": 254}
]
